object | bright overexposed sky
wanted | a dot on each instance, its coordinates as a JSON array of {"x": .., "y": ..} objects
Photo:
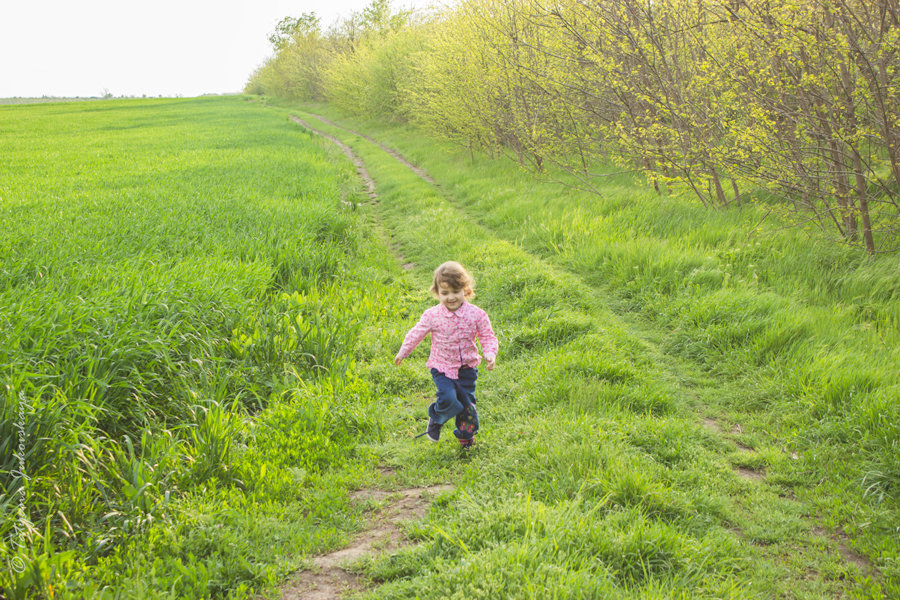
[{"x": 131, "y": 48}]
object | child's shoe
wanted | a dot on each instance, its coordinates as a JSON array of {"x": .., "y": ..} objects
[
  {"x": 467, "y": 422},
  {"x": 433, "y": 432},
  {"x": 466, "y": 443}
]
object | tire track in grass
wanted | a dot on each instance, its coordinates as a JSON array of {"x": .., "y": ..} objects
[
  {"x": 751, "y": 476},
  {"x": 329, "y": 577},
  {"x": 421, "y": 172},
  {"x": 361, "y": 170},
  {"x": 367, "y": 181}
]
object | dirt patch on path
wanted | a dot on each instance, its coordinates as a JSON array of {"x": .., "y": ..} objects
[
  {"x": 749, "y": 474},
  {"x": 328, "y": 579},
  {"x": 712, "y": 425},
  {"x": 839, "y": 542}
]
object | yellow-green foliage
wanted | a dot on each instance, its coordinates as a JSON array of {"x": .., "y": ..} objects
[
  {"x": 301, "y": 57},
  {"x": 726, "y": 102},
  {"x": 372, "y": 79},
  {"x": 449, "y": 95}
]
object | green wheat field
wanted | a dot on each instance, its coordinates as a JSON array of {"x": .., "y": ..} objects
[{"x": 199, "y": 308}]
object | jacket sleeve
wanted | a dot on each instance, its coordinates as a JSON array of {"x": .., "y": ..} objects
[
  {"x": 486, "y": 336},
  {"x": 415, "y": 336}
]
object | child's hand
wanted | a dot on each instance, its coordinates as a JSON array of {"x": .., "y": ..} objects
[
  {"x": 490, "y": 362},
  {"x": 398, "y": 359}
]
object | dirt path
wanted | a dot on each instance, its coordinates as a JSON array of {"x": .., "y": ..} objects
[
  {"x": 328, "y": 578},
  {"x": 357, "y": 161}
]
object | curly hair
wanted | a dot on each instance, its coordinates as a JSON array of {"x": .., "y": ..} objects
[{"x": 455, "y": 276}]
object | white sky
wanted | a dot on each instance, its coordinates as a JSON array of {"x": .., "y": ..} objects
[{"x": 162, "y": 47}]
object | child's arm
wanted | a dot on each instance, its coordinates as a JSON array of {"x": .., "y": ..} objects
[
  {"x": 413, "y": 338},
  {"x": 488, "y": 340}
]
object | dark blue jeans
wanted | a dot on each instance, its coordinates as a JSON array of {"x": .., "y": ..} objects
[{"x": 453, "y": 397}]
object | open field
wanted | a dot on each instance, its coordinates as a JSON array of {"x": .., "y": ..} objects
[
  {"x": 46, "y": 100},
  {"x": 178, "y": 278},
  {"x": 200, "y": 310}
]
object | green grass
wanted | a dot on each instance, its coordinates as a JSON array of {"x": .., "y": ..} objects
[
  {"x": 178, "y": 345},
  {"x": 203, "y": 332},
  {"x": 812, "y": 325}
]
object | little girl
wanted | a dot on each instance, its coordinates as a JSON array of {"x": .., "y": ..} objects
[{"x": 454, "y": 324}]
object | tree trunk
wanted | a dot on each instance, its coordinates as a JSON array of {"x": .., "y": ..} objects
[
  {"x": 862, "y": 195},
  {"x": 720, "y": 192},
  {"x": 651, "y": 173}
]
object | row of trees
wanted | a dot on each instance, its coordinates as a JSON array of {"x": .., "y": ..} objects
[{"x": 794, "y": 101}]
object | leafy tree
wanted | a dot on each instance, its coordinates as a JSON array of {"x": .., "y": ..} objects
[
  {"x": 301, "y": 56},
  {"x": 818, "y": 83}
]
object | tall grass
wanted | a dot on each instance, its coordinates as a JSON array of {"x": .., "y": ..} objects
[{"x": 171, "y": 269}]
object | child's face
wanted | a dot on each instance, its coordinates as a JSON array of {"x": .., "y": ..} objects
[{"x": 451, "y": 298}]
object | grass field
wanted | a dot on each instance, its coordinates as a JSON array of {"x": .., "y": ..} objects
[
  {"x": 178, "y": 278},
  {"x": 200, "y": 314}
]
